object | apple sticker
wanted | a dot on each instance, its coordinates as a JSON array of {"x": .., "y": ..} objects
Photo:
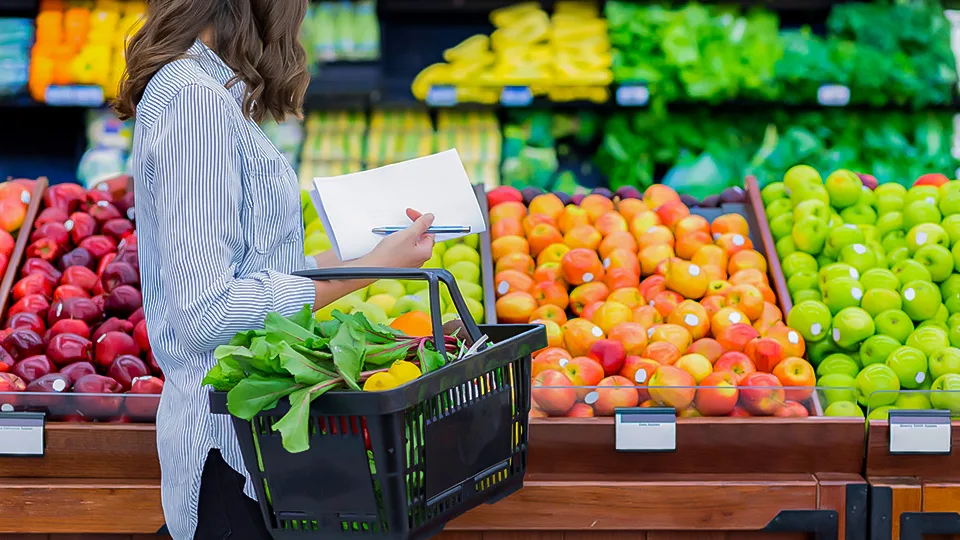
[
  {"x": 816, "y": 328},
  {"x": 921, "y": 376},
  {"x": 694, "y": 270},
  {"x": 650, "y": 333},
  {"x": 691, "y": 319},
  {"x": 563, "y": 362},
  {"x": 588, "y": 277},
  {"x": 68, "y": 225},
  {"x": 6, "y": 407},
  {"x": 606, "y": 262},
  {"x": 503, "y": 287},
  {"x": 592, "y": 397},
  {"x": 851, "y": 226},
  {"x": 640, "y": 376},
  {"x": 910, "y": 294},
  {"x": 931, "y": 200},
  {"x": 716, "y": 236},
  {"x": 793, "y": 338},
  {"x": 738, "y": 240},
  {"x": 651, "y": 229},
  {"x": 859, "y": 249},
  {"x": 24, "y": 197},
  {"x": 597, "y": 331},
  {"x": 854, "y": 274},
  {"x": 734, "y": 318},
  {"x": 856, "y": 293},
  {"x": 59, "y": 385},
  {"x": 921, "y": 238},
  {"x": 836, "y": 334}
]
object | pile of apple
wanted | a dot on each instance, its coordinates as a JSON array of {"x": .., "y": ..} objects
[
  {"x": 644, "y": 304},
  {"x": 14, "y": 200},
  {"x": 386, "y": 299},
  {"x": 874, "y": 273},
  {"x": 76, "y": 321}
]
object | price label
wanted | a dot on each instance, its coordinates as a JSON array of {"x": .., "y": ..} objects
[
  {"x": 633, "y": 95},
  {"x": 442, "y": 95},
  {"x": 21, "y": 434},
  {"x": 516, "y": 96},
  {"x": 74, "y": 96},
  {"x": 651, "y": 429},
  {"x": 833, "y": 95},
  {"x": 920, "y": 432}
]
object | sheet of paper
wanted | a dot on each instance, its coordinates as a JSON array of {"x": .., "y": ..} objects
[{"x": 352, "y": 205}]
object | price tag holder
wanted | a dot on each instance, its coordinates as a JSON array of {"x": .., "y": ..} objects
[
  {"x": 21, "y": 434},
  {"x": 646, "y": 429},
  {"x": 74, "y": 96},
  {"x": 833, "y": 95},
  {"x": 516, "y": 96},
  {"x": 442, "y": 95},
  {"x": 926, "y": 432},
  {"x": 633, "y": 95}
]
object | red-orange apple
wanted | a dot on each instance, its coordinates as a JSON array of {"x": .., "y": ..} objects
[
  {"x": 672, "y": 387},
  {"x": 610, "y": 354},
  {"x": 580, "y": 410},
  {"x": 696, "y": 365},
  {"x": 553, "y": 392},
  {"x": 761, "y": 394},
  {"x": 792, "y": 408},
  {"x": 639, "y": 370},
  {"x": 737, "y": 363},
  {"x": 766, "y": 353},
  {"x": 717, "y": 394},
  {"x": 612, "y": 393},
  {"x": 797, "y": 376}
]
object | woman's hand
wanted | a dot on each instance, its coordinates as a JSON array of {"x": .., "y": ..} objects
[{"x": 409, "y": 248}]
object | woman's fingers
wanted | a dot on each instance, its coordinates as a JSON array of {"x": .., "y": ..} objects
[
  {"x": 421, "y": 225},
  {"x": 413, "y": 214}
]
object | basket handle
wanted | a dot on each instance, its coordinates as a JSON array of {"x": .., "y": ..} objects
[{"x": 433, "y": 276}]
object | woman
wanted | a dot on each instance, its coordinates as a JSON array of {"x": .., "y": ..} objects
[{"x": 219, "y": 227}]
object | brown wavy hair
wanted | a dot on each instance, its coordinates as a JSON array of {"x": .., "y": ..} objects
[{"x": 258, "y": 39}]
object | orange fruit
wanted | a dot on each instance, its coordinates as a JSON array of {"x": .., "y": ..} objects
[{"x": 414, "y": 324}]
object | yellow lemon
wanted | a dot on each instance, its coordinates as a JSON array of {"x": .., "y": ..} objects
[
  {"x": 404, "y": 371},
  {"x": 378, "y": 382}
]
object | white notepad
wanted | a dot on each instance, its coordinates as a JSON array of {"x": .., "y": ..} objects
[{"x": 352, "y": 205}]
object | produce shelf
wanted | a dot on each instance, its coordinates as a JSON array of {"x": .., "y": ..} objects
[
  {"x": 912, "y": 495},
  {"x": 23, "y": 237}
]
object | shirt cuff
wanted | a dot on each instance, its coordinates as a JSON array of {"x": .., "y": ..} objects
[
  {"x": 291, "y": 293},
  {"x": 310, "y": 263}
]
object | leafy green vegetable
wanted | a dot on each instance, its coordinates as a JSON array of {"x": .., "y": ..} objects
[{"x": 348, "y": 348}]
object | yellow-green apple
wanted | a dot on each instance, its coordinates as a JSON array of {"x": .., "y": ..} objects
[
  {"x": 937, "y": 260},
  {"x": 946, "y": 393},
  {"x": 894, "y": 323},
  {"x": 876, "y": 349},
  {"x": 717, "y": 394},
  {"x": 837, "y": 387},
  {"x": 844, "y": 188},
  {"x": 840, "y": 293},
  {"x": 838, "y": 363},
  {"x": 843, "y": 409},
  {"x": 761, "y": 394},
  {"x": 810, "y": 318},
  {"x": 831, "y": 271},
  {"x": 944, "y": 361},
  {"x": 928, "y": 339},
  {"x": 841, "y": 236},
  {"x": 851, "y": 326},
  {"x": 917, "y": 212},
  {"x": 918, "y": 400},
  {"x": 696, "y": 365},
  {"x": 877, "y": 385},
  {"x": 672, "y": 387},
  {"x": 876, "y": 301},
  {"x": 921, "y": 299},
  {"x": 910, "y": 365},
  {"x": 809, "y": 234}
]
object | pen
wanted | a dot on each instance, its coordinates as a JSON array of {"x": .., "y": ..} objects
[{"x": 449, "y": 229}]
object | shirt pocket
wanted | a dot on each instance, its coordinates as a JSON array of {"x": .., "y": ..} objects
[{"x": 274, "y": 203}]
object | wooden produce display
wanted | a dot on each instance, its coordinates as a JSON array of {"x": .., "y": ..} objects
[
  {"x": 754, "y": 477},
  {"x": 8, "y": 277},
  {"x": 912, "y": 496}
]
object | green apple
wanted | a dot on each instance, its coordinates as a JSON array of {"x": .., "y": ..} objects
[
  {"x": 846, "y": 409},
  {"x": 824, "y": 261},
  {"x": 910, "y": 270},
  {"x": 458, "y": 253},
  {"x": 867, "y": 196},
  {"x": 410, "y": 302},
  {"x": 844, "y": 188},
  {"x": 809, "y": 234},
  {"x": 383, "y": 301},
  {"x": 315, "y": 244},
  {"x": 897, "y": 255},
  {"x": 841, "y": 292},
  {"x": 870, "y": 232},
  {"x": 910, "y": 365},
  {"x": 888, "y": 203},
  {"x": 954, "y": 330},
  {"x": 476, "y": 310},
  {"x": 820, "y": 350},
  {"x": 812, "y": 319},
  {"x": 806, "y": 294},
  {"x": 887, "y": 223},
  {"x": 945, "y": 393},
  {"x": 798, "y": 262},
  {"x": 785, "y": 246},
  {"x": 837, "y": 270},
  {"x": 937, "y": 260},
  {"x": 312, "y": 228},
  {"x": 894, "y": 323},
  {"x": 950, "y": 290},
  {"x": 840, "y": 363},
  {"x": 837, "y": 387},
  {"x": 435, "y": 260},
  {"x": 860, "y": 214},
  {"x": 929, "y": 194},
  {"x": 449, "y": 316},
  {"x": 876, "y": 301},
  {"x": 921, "y": 299},
  {"x": 773, "y": 192},
  {"x": 345, "y": 304},
  {"x": 877, "y": 385},
  {"x": 891, "y": 192},
  {"x": 876, "y": 349},
  {"x": 778, "y": 208},
  {"x": 801, "y": 175},
  {"x": 834, "y": 220},
  {"x": 813, "y": 192},
  {"x": 465, "y": 270},
  {"x": 840, "y": 236},
  {"x": 373, "y": 312},
  {"x": 925, "y": 234},
  {"x": 894, "y": 240},
  {"x": 880, "y": 413},
  {"x": 802, "y": 281},
  {"x": 879, "y": 252},
  {"x": 879, "y": 278},
  {"x": 859, "y": 257},
  {"x": 440, "y": 248},
  {"x": 915, "y": 400},
  {"x": 811, "y": 208},
  {"x": 416, "y": 286},
  {"x": 391, "y": 287},
  {"x": 470, "y": 290},
  {"x": 945, "y": 360},
  {"x": 782, "y": 226},
  {"x": 472, "y": 241},
  {"x": 851, "y": 326},
  {"x": 951, "y": 224},
  {"x": 956, "y": 255},
  {"x": 918, "y": 212}
]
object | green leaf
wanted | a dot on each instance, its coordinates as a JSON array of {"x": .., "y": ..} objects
[
  {"x": 430, "y": 360},
  {"x": 281, "y": 329},
  {"x": 376, "y": 333},
  {"x": 226, "y": 373},
  {"x": 294, "y": 427},
  {"x": 264, "y": 355},
  {"x": 304, "y": 370},
  {"x": 328, "y": 329},
  {"x": 388, "y": 353},
  {"x": 304, "y": 319},
  {"x": 348, "y": 348},
  {"x": 243, "y": 339},
  {"x": 257, "y": 393}
]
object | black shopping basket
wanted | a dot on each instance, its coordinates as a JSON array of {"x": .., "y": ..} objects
[{"x": 404, "y": 462}]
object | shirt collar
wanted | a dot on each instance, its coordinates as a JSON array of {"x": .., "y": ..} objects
[{"x": 215, "y": 67}]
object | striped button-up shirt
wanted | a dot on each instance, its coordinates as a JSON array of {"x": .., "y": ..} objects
[{"x": 219, "y": 233}]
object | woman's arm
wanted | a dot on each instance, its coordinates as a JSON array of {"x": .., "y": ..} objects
[{"x": 199, "y": 197}]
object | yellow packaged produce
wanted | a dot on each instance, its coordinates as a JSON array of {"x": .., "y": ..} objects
[
  {"x": 468, "y": 48},
  {"x": 394, "y": 146},
  {"x": 579, "y": 7},
  {"x": 506, "y": 15},
  {"x": 472, "y": 145},
  {"x": 335, "y": 121},
  {"x": 406, "y": 120},
  {"x": 334, "y": 146},
  {"x": 531, "y": 27}
]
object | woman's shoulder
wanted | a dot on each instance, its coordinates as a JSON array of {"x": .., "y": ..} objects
[{"x": 178, "y": 81}]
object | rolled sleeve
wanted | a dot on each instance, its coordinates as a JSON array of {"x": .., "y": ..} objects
[{"x": 198, "y": 190}]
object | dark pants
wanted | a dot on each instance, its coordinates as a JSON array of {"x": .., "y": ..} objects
[{"x": 224, "y": 512}]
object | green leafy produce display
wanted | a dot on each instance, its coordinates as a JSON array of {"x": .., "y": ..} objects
[
  {"x": 303, "y": 359},
  {"x": 535, "y": 143},
  {"x": 885, "y": 53}
]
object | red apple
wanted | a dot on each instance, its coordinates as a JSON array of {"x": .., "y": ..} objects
[
  {"x": 717, "y": 394},
  {"x": 761, "y": 394},
  {"x": 553, "y": 393},
  {"x": 611, "y": 355},
  {"x": 737, "y": 363},
  {"x": 792, "y": 408}
]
